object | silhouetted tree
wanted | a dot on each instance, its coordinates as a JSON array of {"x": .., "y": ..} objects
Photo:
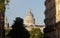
[{"x": 18, "y": 29}]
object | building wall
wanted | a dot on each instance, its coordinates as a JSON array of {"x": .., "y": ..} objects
[
  {"x": 41, "y": 27},
  {"x": 52, "y": 16},
  {"x": 49, "y": 36},
  {"x": 57, "y": 10},
  {"x": 58, "y": 30},
  {"x": 50, "y": 12}
]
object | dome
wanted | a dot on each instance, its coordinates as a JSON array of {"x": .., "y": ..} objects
[
  {"x": 29, "y": 13},
  {"x": 29, "y": 19}
]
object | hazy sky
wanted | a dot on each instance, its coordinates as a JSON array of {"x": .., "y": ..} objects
[{"x": 18, "y": 8}]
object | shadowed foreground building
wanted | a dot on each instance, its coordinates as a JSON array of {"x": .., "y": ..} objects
[
  {"x": 2, "y": 13},
  {"x": 52, "y": 19},
  {"x": 3, "y": 3}
]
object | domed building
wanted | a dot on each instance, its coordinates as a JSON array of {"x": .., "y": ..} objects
[{"x": 29, "y": 21}]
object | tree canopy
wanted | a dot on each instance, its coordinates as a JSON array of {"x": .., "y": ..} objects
[{"x": 35, "y": 33}]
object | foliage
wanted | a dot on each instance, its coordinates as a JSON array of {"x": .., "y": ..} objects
[
  {"x": 18, "y": 29},
  {"x": 3, "y": 5},
  {"x": 6, "y": 32},
  {"x": 35, "y": 33}
]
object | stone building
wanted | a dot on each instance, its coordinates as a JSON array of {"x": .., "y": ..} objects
[
  {"x": 29, "y": 19},
  {"x": 52, "y": 19},
  {"x": 6, "y": 24},
  {"x": 29, "y": 22}
]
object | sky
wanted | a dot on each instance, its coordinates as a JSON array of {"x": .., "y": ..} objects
[{"x": 19, "y": 8}]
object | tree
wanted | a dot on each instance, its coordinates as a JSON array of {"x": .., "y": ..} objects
[
  {"x": 35, "y": 33},
  {"x": 6, "y": 32},
  {"x": 18, "y": 29}
]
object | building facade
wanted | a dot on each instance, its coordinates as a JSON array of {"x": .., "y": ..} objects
[{"x": 52, "y": 19}]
